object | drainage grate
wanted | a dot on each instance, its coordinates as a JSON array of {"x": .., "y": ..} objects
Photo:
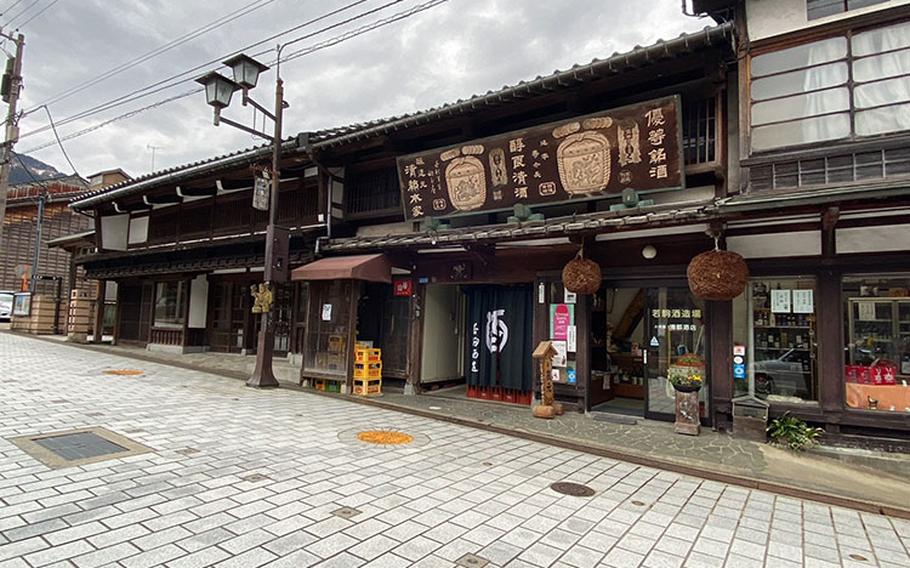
[
  {"x": 81, "y": 446},
  {"x": 573, "y": 489},
  {"x": 472, "y": 561},
  {"x": 77, "y": 447}
]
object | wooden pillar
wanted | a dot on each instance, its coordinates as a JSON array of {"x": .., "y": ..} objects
[
  {"x": 830, "y": 342},
  {"x": 582, "y": 349},
  {"x": 415, "y": 339},
  {"x": 116, "y": 339},
  {"x": 98, "y": 329},
  {"x": 720, "y": 335}
]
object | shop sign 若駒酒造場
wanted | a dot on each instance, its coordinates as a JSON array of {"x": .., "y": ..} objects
[{"x": 590, "y": 157}]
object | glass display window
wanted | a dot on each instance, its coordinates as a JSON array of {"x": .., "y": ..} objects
[
  {"x": 877, "y": 336},
  {"x": 170, "y": 304},
  {"x": 774, "y": 325},
  {"x": 328, "y": 328}
]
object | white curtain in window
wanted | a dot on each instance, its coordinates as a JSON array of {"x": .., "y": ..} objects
[
  {"x": 880, "y": 93},
  {"x": 883, "y": 120},
  {"x": 822, "y": 102},
  {"x": 882, "y": 39},
  {"x": 882, "y": 66}
]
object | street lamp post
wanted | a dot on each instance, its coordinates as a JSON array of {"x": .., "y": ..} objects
[{"x": 218, "y": 91}]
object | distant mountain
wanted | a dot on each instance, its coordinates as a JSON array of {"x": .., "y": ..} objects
[{"x": 38, "y": 169}]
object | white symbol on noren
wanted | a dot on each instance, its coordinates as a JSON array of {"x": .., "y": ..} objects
[{"x": 497, "y": 332}]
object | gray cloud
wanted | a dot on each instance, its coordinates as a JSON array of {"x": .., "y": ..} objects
[{"x": 453, "y": 51}]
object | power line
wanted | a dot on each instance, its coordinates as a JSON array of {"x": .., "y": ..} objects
[
  {"x": 59, "y": 142},
  {"x": 20, "y": 12},
  {"x": 189, "y": 36},
  {"x": 41, "y": 11},
  {"x": 10, "y": 7},
  {"x": 297, "y": 54},
  {"x": 174, "y": 80}
]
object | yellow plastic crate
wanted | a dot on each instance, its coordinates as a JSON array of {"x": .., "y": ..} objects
[
  {"x": 367, "y": 387},
  {"x": 367, "y": 355},
  {"x": 367, "y": 370}
]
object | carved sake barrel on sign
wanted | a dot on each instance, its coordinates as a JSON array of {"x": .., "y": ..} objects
[
  {"x": 466, "y": 182},
  {"x": 583, "y": 159}
]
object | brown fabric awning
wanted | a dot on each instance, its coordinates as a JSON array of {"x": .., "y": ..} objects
[{"x": 370, "y": 267}]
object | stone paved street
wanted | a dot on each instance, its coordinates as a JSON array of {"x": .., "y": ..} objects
[{"x": 247, "y": 478}]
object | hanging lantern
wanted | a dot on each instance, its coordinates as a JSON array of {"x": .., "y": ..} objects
[
  {"x": 717, "y": 274},
  {"x": 582, "y": 275}
]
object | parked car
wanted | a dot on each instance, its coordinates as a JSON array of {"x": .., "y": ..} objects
[
  {"x": 6, "y": 306},
  {"x": 784, "y": 375}
]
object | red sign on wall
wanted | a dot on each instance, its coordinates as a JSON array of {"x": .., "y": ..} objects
[{"x": 403, "y": 287}]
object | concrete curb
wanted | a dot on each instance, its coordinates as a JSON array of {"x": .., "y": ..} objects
[{"x": 594, "y": 449}]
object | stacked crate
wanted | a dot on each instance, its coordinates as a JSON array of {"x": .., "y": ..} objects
[{"x": 367, "y": 371}]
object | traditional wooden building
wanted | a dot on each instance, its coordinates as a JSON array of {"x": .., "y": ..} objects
[
  {"x": 20, "y": 231},
  {"x": 821, "y": 210},
  {"x": 455, "y": 225},
  {"x": 440, "y": 236}
]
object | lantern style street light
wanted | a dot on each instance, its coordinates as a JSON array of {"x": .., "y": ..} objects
[{"x": 218, "y": 92}]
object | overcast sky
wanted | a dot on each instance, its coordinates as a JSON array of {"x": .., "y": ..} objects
[{"x": 452, "y": 51}]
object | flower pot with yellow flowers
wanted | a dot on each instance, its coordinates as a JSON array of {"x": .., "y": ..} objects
[{"x": 687, "y": 375}]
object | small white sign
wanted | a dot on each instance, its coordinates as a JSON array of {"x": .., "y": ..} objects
[
  {"x": 570, "y": 297},
  {"x": 654, "y": 341},
  {"x": 803, "y": 302},
  {"x": 571, "y": 338},
  {"x": 780, "y": 301},
  {"x": 866, "y": 310},
  {"x": 326, "y": 312},
  {"x": 739, "y": 350},
  {"x": 559, "y": 360},
  {"x": 541, "y": 293}
]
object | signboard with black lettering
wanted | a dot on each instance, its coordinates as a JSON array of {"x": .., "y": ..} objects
[{"x": 589, "y": 157}]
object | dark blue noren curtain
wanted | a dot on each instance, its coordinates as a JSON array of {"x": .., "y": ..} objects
[{"x": 499, "y": 337}]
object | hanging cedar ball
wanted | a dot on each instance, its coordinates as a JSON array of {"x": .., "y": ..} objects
[
  {"x": 717, "y": 275},
  {"x": 581, "y": 276}
]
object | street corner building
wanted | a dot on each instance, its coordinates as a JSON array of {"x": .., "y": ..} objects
[{"x": 428, "y": 249}]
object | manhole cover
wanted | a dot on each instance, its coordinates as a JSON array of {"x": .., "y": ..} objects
[
  {"x": 346, "y": 512},
  {"x": 859, "y": 557},
  {"x": 472, "y": 561},
  {"x": 77, "y": 447},
  {"x": 123, "y": 372},
  {"x": 385, "y": 437},
  {"x": 255, "y": 477},
  {"x": 573, "y": 489}
]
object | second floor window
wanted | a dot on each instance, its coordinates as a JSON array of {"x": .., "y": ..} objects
[
  {"x": 841, "y": 87},
  {"x": 816, "y": 9}
]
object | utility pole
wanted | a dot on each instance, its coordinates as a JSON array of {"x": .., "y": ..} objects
[
  {"x": 12, "y": 123},
  {"x": 153, "y": 149}
]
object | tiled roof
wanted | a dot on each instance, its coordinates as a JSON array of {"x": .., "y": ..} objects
[
  {"x": 58, "y": 188},
  {"x": 671, "y": 214},
  {"x": 332, "y": 137}
]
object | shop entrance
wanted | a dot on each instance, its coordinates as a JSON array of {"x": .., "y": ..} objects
[
  {"x": 384, "y": 321},
  {"x": 640, "y": 336}
]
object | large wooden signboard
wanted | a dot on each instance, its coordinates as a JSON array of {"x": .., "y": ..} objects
[{"x": 637, "y": 146}]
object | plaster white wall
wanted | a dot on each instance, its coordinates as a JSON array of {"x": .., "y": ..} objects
[
  {"x": 114, "y": 231},
  {"x": 199, "y": 301},
  {"x": 769, "y": 18},
  {"x": 139, "y": 230},
  {"x": 883, "y": 238},
  {"x": 775, "y": 245}
]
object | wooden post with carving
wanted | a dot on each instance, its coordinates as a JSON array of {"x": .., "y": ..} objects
[{"x": 545, "y": 353}]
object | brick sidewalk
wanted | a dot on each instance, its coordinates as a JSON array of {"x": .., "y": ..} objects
[{"x": 240, "y": 477}]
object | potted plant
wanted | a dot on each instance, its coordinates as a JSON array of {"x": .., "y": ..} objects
[{"x": 687, "y": 373}]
